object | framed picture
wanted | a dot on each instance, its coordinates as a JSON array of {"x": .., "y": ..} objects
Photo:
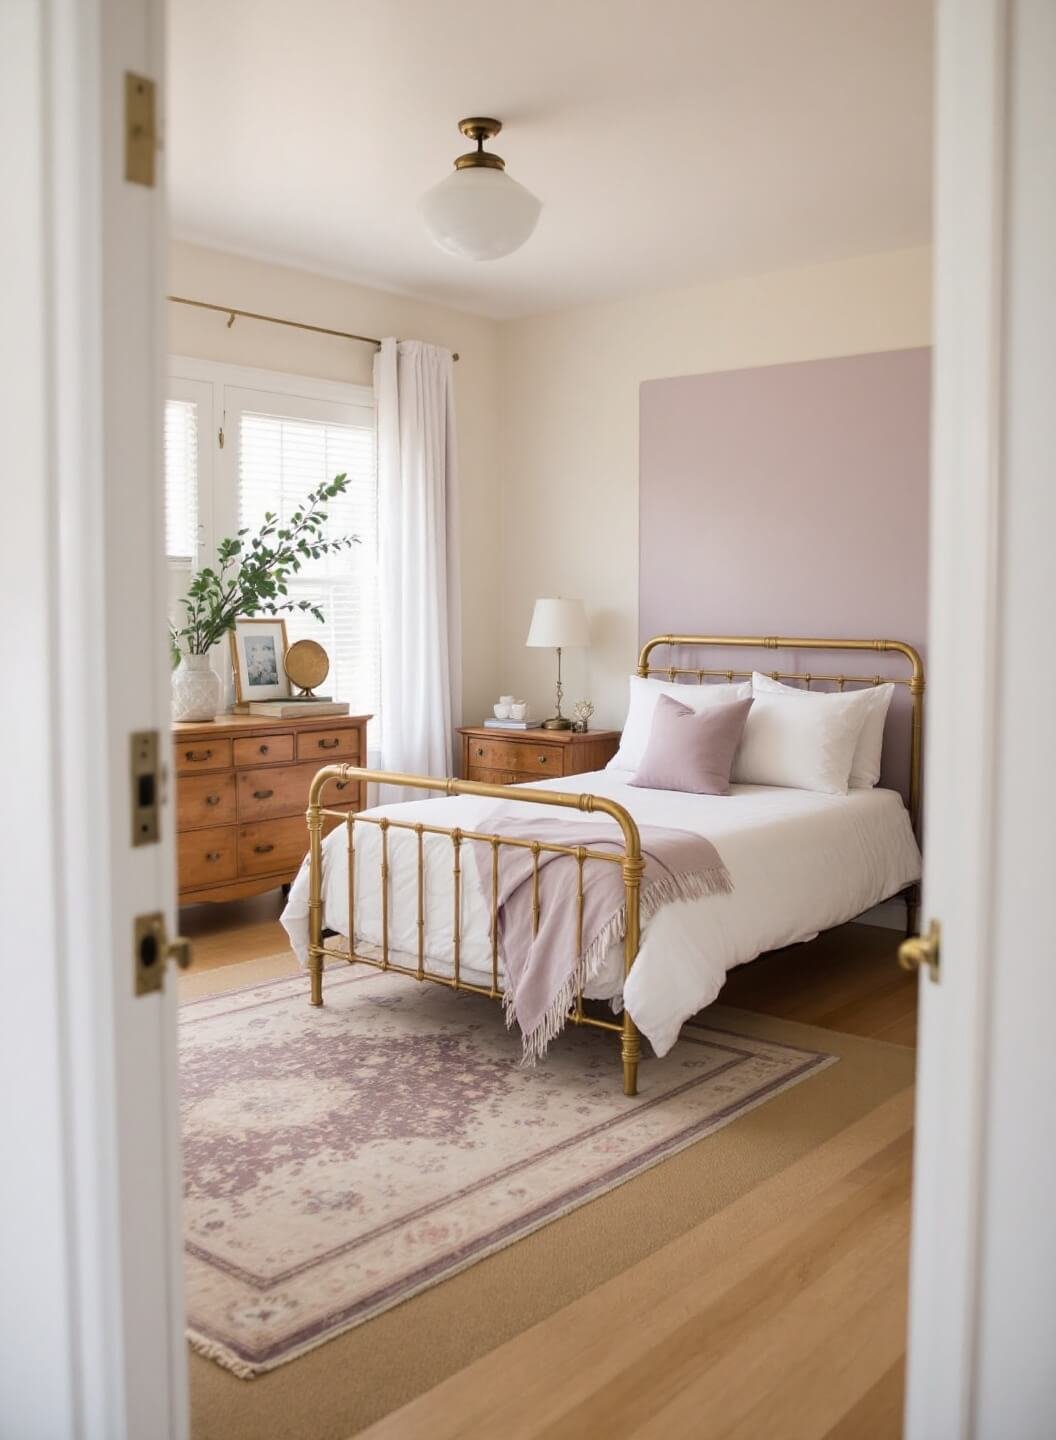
[{"x": 258, "y": 650}]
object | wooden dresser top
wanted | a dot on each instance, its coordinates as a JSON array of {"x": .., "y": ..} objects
[{"x": 259, "y": 725}]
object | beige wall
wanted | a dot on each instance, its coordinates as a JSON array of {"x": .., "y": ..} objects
[
  {"x": 548, "y": 421},
  {"x": 569, "y": 427},
  {"x": 226, "y": 279}
]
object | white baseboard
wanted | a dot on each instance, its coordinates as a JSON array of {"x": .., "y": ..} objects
[{"x": 891, "y": 914}]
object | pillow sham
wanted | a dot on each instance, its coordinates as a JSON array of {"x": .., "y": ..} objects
[
  {"x": 806, "y": 747},
  {"x": 865, "y": 767},
  {"x": 692, "y": 750},
  {"x": 644, "y": 693}
]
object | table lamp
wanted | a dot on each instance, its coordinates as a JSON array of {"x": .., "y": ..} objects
[{"x": 555, "y": 625}]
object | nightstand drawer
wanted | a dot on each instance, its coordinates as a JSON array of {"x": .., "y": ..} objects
[
  {"x": 206, "y": 857},
  {"x": 326, "y": 745},
  {"x": 205, "y": 800},
  {"x": 522, "y": 755},
  {"x": 194, "y": 755},
  {"x": 263, "y": 749},
  {"x": 496, "y": 777}
]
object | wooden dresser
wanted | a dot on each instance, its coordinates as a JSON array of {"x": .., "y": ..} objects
[
  {"x": 516, "y": 757},
  {"x": 241, "y": 793}
]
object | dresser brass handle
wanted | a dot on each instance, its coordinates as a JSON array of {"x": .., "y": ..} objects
[
  {"x": 329, "y": 744},
  {"x": 199, "y": 754},
  {"x": 263, "y": 794},
  {"x": 542, "y": 759},
  {"x": 480, "y": 750},
  {"x": 212, "y": 799},
  {"x": 263, "y": 750},
  {"x": 262, "y": 849},
  {"x": 212, "y": 855},
  {"x": 342, "y": 784}
]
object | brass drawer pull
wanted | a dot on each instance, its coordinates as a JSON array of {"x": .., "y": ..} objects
[
  {"x": 329, "y": 744},
  {"x": 343, "y": 784},
  {"x": 480, "y": 751},
  {"x": 212, "y": 856},
  {"x": 263, "y": 794},
  {"x": 262, "y": 849},
  {"x": 542, "y": 759},
  {"x": 263, "y": 749},
  {"x": 213, "y": 799},
  {"x": 199, "y": 754}
]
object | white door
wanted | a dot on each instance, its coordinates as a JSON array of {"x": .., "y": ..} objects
[
  {"x": 983, "y": 1297},
  {"x": 90, "y": 1305}
]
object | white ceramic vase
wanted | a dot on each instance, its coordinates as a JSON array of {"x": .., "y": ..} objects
[{"x": 195, "y": 689}]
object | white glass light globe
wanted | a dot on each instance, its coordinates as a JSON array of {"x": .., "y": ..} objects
[{"x": 479, "y": 213}]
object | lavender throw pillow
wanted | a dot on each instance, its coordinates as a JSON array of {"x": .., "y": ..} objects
[{"x": 692, "y": 750}]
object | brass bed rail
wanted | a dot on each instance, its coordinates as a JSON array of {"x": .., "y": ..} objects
[{"x": 629, "y": 860}]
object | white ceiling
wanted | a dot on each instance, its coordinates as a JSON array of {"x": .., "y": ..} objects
[{"x": 671, "y": 141}]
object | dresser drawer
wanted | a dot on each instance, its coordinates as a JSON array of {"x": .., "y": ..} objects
[
  {"x": 266, "y": 793},
  {"x": 206, "y": 857},
  {"x": 205, "y": 800},
  {"x": 326, "y": 745},
  {"x": 192, "y": 755},
  {"x": 530, "y": 759},
  {"x": 273, "y": 846},
  {"x": 263, "y": 749}
]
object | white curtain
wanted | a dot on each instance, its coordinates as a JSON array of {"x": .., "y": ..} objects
[{"x": 421, "y": 661}]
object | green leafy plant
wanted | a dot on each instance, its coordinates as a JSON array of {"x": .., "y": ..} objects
[{"x": 252, "y": 575}]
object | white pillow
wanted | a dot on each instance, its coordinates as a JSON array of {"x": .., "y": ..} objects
[
  {"x": 807, "y": 747},
  {"x": 644, "y": 695},
  {"x": 865, "y": 767}
]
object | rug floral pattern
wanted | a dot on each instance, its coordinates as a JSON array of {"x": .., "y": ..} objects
[{"x": 338, "y": 1161}]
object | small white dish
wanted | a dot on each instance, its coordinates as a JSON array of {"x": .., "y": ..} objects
[{"x": 502, "y": 712}]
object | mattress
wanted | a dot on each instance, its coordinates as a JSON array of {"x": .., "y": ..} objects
[{"x": 800, "y": 863}]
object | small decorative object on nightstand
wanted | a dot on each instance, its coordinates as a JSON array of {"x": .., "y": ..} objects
[
  {"x": 519, "y": 757},
  {"x": 557, "y": 624},
  {"x": 582, "y": 710}
]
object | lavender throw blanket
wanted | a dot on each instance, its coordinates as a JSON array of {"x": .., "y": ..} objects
[{"x": 543, "y": 970}]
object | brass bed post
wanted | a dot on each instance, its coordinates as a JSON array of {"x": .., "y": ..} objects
[{"x": 315, "y": 890}]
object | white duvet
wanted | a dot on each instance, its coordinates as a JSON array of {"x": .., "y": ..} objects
[{"x": 800, "y": 862}]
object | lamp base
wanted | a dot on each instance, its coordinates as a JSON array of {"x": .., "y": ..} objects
[{"x": 557, "y": 723}]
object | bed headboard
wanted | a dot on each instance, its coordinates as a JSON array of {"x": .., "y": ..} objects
[{"x": 678, "y": 670}]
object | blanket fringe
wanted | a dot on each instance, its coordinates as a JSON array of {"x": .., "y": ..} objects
[{"x": 697, "y": 885}]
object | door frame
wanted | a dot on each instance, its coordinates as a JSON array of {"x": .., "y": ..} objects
[{"x": 92, "y": 1303}]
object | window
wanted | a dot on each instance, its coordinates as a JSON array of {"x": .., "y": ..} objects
[
  {"x": 280, "y": 460},
  {"x": 241, "y": 442}
]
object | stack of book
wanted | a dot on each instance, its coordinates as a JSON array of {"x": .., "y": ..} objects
[
  {"x": 292, "y": 708},
  {"x": 490, "y": 723}
]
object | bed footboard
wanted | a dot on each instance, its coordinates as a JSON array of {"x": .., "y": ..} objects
[{"x": 629, "y": 859}]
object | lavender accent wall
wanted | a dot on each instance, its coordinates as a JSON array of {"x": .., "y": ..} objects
[{"x": 790, "y": 499}]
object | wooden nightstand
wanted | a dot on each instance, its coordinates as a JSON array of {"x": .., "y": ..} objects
[
  {"x": 241, "y": 793},
  {"x": 516, "y": 757}
]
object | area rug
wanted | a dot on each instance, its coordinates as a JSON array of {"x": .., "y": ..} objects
[{"x": 339, "y": 1161}]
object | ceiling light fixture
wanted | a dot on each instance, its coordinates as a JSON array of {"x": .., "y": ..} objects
[{"x": 479, "y": 212}]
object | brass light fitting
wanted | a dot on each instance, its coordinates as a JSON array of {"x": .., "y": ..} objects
[{"x": 478, "y": 129}]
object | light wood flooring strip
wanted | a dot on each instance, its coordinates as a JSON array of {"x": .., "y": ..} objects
[{"x": 790, "y": 1303}]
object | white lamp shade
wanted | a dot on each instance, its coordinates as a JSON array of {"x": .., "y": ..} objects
[
  {"x": 558, "y": 624},
  {"x": 479, "y": 213}
]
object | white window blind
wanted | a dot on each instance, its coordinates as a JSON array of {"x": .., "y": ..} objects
[
  {"x": 281, "y": 458},
  {"x": 181, "y": 482}
]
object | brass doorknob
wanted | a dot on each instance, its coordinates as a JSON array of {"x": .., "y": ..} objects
[{"x": 922, "y": 951}]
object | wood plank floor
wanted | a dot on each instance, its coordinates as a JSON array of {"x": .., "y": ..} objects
[{"x": 796, "y": 1332}]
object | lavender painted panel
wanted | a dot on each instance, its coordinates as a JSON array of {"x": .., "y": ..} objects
[{"x": 791, "y": 499}]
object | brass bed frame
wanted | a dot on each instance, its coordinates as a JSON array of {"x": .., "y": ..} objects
[{"x": 629, "y": 859}]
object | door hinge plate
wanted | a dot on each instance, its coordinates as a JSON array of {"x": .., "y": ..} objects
[{"x": 141, "y": 135}]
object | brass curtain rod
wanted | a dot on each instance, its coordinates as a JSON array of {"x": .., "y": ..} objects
[{"x": 232, "y": 311}]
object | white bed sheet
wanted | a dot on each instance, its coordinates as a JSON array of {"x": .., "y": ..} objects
[{"x": 800, "y": 862}]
